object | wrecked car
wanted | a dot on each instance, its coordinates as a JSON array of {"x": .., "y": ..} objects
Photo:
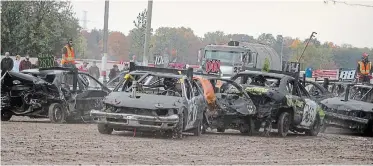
[
  {"x": 229, "y": 106},
  {"x": 282, "y": 102},
  {"x": 352, "y": 110},
  {"x": 161, "y": 100},
  {"x": 60, "y": 94}
]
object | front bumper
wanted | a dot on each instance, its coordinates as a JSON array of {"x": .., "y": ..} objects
[{"x": 135, "y": 121}]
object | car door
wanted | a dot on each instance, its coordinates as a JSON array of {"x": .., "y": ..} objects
[
  {"x": 310, "y": 107},
  {"x": 91, "y": 95},
  {"x": 316, "y": 91},
  {"x": 194, "y": 104}
]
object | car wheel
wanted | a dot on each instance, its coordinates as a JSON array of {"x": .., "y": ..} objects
[
  {"x": 315, "y": 128},
  {"x": 258, "y": 125},
  {"x": 5, "y": 115},
  {"x": 220, "y": 130},
  {"x": 198, "y": 130},
  {"x": 177, "y": 132},
  {"x": 104, "y": 129},
  {"x": 369, "y": 130},
  {"x": 283, "y": 124},
  {"x": 56, "y": 113},
  {"x": 248, "y": 127}
]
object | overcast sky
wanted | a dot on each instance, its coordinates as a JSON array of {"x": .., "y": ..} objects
[{"x": 338, "y": 23}]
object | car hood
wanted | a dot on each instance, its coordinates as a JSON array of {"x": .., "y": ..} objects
[
  {"x": 338, "y": 104},
  {"x": 26, "y": 78},
  {"x": 143, "y": 101}
]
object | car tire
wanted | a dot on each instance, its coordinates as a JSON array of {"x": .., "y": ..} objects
[
  {"x": 315, "y": 128},
  {"x": 220, "y": 130},
  {"x": 258, "y": 125},
  {"x": 177, "y": 132},
  {"x": 56, "y": 113},
  {"x": 5, "y": 115},
  {"x": 283, "y": 124},
  {"x": 104, "y": 129},
  {"x": 369, "y": 130},
  {"x": 198, "y": 130},
  {"x": 248, "y": 127}
]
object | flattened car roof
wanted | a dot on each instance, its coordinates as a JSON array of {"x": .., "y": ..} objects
[{"x": 268, "y": 74}]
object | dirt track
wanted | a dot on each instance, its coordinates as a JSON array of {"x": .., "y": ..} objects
[{"x": 26, "y": 141}]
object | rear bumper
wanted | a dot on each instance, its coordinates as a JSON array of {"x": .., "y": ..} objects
[{"x": 124, "y": 121}]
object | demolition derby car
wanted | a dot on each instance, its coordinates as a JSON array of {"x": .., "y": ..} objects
[
  {"x": 60, "y": 94},
  {"x": 352, "y": 110},
  {"x": 281, "y": 101},
  {"x": 229, "y": 106},
  {"x": 161, "y": 100}
]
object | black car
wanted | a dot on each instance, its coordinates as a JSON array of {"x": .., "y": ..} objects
[
  {"x": 161, "y": 100},
  {"x": 60, "y": 94},
  {"x": 352, "y": 110},
  {"x": 282, "y": 102},
  {"x": 230, "y": 107}
]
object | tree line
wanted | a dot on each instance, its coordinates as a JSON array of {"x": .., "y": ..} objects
[{"x": 43, "y": 27}]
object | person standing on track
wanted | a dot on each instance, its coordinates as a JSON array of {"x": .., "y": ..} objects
[
  {"x": 364, "y": 68},
  {"x": 68, "y": 55}
]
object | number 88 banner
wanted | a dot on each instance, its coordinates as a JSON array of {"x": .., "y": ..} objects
[{"x": 347, "y": 74}]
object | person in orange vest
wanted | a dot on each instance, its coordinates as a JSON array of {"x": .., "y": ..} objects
[
  {"x": 68, "y": 55},
  {"x": 364, "y": 68}
]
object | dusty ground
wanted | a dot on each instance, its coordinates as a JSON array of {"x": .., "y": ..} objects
[{"x": 26, "y": 141}]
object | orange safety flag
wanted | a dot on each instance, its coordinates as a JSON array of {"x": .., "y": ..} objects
[
  {"x": 365, "y": 68},
  {"x": 208, "y": 90}
]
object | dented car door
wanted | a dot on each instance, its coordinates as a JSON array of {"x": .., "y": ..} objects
[
  {"x": 91, "y": 94},
  {"x": 193, "y": 103}
]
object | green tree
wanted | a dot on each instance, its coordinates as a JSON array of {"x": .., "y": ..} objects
[
  {"x": 217, "y": 37},
  {"x": 37, "y": 27},
  {"x": 266, "y": 65},
  {"x": 137, "y": 35}
]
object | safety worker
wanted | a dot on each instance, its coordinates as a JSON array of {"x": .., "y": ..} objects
[
  {"x": 68, "y": 55},
  {"x": 364, "y": 68}
]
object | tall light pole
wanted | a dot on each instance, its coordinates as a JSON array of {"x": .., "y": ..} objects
[
  {"x": 106, "y": 33},
  {"x": 147, "y": 35},
  {"x": 282, "y": 49}
]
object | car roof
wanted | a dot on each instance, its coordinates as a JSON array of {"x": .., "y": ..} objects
[{"x": 268, "y": 74}]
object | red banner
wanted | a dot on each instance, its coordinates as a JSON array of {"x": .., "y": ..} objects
[
  {"x": 212, "y": 66},
  {"x": 321, "y": 74}
]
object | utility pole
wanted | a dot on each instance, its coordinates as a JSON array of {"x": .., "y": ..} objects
[
  {"x": 147, "y": 35},
  {"x": 85, "y": 20},
  {"x": 312, "y": 35},
  {"x": 106, "y": 33},
  {"x": 282, "y": 49}
]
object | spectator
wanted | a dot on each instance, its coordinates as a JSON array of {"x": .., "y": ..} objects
[
  {"x": 16, "y": 64},
  {"x": 83, "y": 67},
  {"x": 113, "y": 72},
  {"x": 25, "y": 64},
  {"x": 6, "y": 64},
  {"x": 94, "y": 71}
]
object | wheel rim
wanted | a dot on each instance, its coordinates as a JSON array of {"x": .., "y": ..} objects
[{"x": 58, "y": 113}]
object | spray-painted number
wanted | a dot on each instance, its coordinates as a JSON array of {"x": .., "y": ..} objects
[
  {"x": 212, "y": 66},
  {"x": 347, "y": 75},
  {"x": 237, "y": 69},
  {"x": 159, "y": 60}
]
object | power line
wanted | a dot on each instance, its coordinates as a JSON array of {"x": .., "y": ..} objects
[{"x": 349, "y": 4}]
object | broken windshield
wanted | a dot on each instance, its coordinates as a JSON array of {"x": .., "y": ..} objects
[
  {"x": 258, "y": 80},
  {"x": 227, "y": 58}
]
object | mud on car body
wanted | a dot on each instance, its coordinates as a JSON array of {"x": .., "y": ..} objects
[
  {"x": 352, "y": 110},
  {"x": 230, "y": 107},
  {"x": 282, "y": 102},
  {"x": 60, "y": 94},
  {"x": 161, "y": 100}
]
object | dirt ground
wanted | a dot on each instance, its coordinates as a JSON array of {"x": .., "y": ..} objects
[{"x": 29, "y": 141}]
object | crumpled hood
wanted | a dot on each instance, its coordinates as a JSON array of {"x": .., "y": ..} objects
[
  {"x": 338, "y": 104},
  {"x": 272, "y": 93},
  {"x": 143, "y": 101}
]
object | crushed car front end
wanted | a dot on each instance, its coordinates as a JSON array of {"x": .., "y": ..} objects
[{"x": 144, "y": 112}]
